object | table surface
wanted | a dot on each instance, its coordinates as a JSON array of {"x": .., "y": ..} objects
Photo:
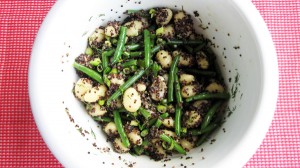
[{"x": 21, "y": 144}]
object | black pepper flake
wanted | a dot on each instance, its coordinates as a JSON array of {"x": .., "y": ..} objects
[
  {"x": 181, "y": 164},
  {"x": 228, "y": 34},
  {"x": 212, "y": 141},
  {"x": 103, "y": 162},
  {"x": 111, "y": 10},
  {"x": 196, "y": 13},
  {"x": 202, "y": 149},
  {"x": 229, "y": 79},
  {"x": 236, "y": 47},
  {"x": 165, "y": 164},
  {"x": 121, "y": 6},
  {"x": 89, "y": 152},
  {"x": 224, "y": 130},
  {"x": 188, "y": 157}
]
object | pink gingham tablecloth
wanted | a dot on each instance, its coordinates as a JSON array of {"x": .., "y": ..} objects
[{"x": 21, "y": 144}]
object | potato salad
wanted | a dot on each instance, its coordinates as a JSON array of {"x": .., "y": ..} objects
[{"x": 152, "y": 83}]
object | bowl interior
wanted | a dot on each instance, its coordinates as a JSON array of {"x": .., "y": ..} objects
[{"x": 77, "y": 141}]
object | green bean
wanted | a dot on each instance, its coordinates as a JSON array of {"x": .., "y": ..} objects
[
  {"x": 147, "y": 48},
  {"x": 207, "y": 95},
  {"x": 158, "y": 123},
  {"x": 164, "y": 115},
  {"x": 209, "y": 128},
  {"x": 155, "y": 49},
  {"x": 106, "y": 80},
  {"x": 209, "y": 115},
  {"x": 202, "y": 139},
  {"x": 148, "y": 124},
  {"x": 105, "y": 56},
  {"x": 189, "y": 49},
  {"x": 132, "y": 47},
  {"x": 91, "y": 73},
  {"x": 121, "y": 131},
  {"x": 177, "y": 89},
  {"x": 152, "y": 38},
  {"x": 145, "y": 113},
  {"x": 125, "y": 86},
  {"x": 138, "y": 150},
  {"x": 199, "y": 47},
  {"x": 120, "y": 46},
  {"x": 178, "y": 42},
  {"x": 134, "y": 54},
  {"x": 206, "y": 132},
  {"x": 169, "y": 140},
  {"x": 107, "y": 70},
  {"x": 129, "y": 63},
  {"x": 109, "y": 53},
  {"x": 160, "y": 118},
  {"x": 178, "y": 114},
  {"x": 171, "y": 79},
  {"x": 140, "y": 53},
  {"x": 102, "y": 119},
  {"x": 200, "y": 72}
]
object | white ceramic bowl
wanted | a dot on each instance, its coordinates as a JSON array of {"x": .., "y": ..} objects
[{"x": 243, "y": 46}]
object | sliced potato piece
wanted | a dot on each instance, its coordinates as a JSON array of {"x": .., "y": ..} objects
[
  {"x": 186, "y": 79},
  {"x": 215, "y": 87},
  {"x": 110, "y": 129},
  {"x": 132, "y": 100},
  {"x": 95, "y": 94},
  {"x": 95, "y": 110},
  {"x": 164, "y": 58},
  {"x": 189, "y": 90},
  {"x": 163, "y": 16},
  {"x": 82, "y": 86},
  {"x": 119, "y": 146}
]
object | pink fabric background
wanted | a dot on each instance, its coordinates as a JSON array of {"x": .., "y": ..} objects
[{"x": 21, "y": 144}]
